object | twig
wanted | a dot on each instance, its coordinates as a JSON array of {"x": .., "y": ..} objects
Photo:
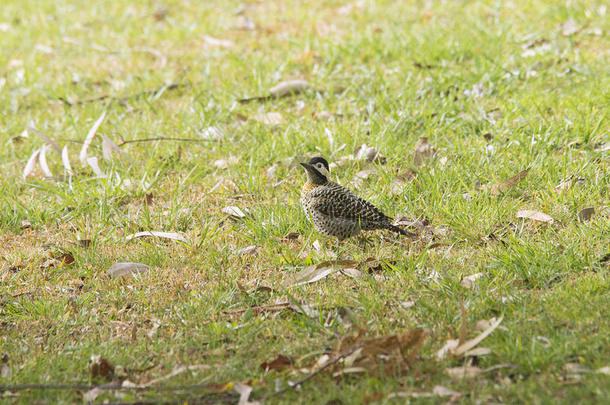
[{"x": 110, "y": 386}]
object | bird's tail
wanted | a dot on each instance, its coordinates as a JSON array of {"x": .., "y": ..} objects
[{"x": 401, "y": 231}]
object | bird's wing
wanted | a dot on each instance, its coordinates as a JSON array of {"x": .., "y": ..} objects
[{"x": 338, "y": 202}]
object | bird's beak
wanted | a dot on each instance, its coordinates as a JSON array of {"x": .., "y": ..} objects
[{"x": 307, "y": 166}]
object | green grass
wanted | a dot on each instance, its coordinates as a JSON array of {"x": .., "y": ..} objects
[{"x": 459, "y": 73}]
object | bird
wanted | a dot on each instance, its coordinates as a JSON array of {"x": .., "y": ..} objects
[{"x": 336, "y": 211}]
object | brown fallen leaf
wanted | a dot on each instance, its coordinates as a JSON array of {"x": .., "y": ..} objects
[
  {"x": 423, "y": 151},
  {"x": 281, "y": 362},
  {"x": 100, "y": 367},
  {"x": 123, "y": 269},
  {"x": 158, "y": 234},
  {"x": 585, "y": 214},
  {"x": 389, "y": 353},
  {"x": 535, "y": 216},
  {"x": 504, "y": 186},
  {"x": 89, "y": 138},
  {"x": 470, "y": 344}
]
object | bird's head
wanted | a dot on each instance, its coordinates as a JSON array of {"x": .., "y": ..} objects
[{"x": 317, "y": 170}]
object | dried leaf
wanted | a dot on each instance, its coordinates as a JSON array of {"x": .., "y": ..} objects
[
  {"x": 221, "y": 43},
  {"x": 108, "y": 147},
  {"x": 248, "y": 251},
  {"x": 126, "y": 269},
  {"x": 585, "y": 214},
  {"x": 318, "y": 271},
  {"x": 463, "y": 372},
  {"x": 100, "y": 367},
  {"x": 280, "y": 363},
  {"x": 469, "y": 281},
  {"x": 423, "y": 151},
  {"x": 92, "y": 162},
  {"x": 441, "y": 391},
  {"x": 244, "y": 392},
  {"x": 368, "y": 154},
  {"x": 603, "y": 370},
  {"x": 287, "y": 88},
  {"x": 65, "y": 159},
  {"x": 507, "y": 184},
  {"x": 478, "y": 352},
  {"x": 177, "y": 370},
  {"x": 29, "y": 166},
  {"x": 535, "y": 216},
  {"x": 158, "y": 234},
  {"x": 42, "y": 159},
  {"x": 92, "y": 394},
  {"x": 451, "y": 345},
  {"x": 470, "y": 344},
  {"x": 235, "y": 212},
  {"x": 89, "y": 139},
  {"x": 25, "y": 224}
]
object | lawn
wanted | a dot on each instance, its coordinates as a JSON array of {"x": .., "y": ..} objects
[{"x": 483, "y": 126}]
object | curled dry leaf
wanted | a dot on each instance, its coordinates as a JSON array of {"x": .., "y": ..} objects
[
  {"x": 535, "y": 216},
  {"x": 42, "y": 159},
  {"x": 124, "y": 269},
  {"x": 89, "y": 138},
  {"x": 368, "y": 154},
  {"x": 235, "y": 212},
  {"x": 108, "y": 148},
  {"x": 423, "y": 151},
  {"x": 506, "y": 185},
  {"x": 92, "y": 162},
  {"x": 472, "y": 343},
  {"x": 65, "y": 159},
  {"x": 318, "y": 271},
  {"x": 244, "y": 392},
  {"x": 290, "y": 87},
  {"x": 585, "y": 214},
  {"x": 158, "y": 234},
  {"x": 281, "y": 362},
  {"x": 29, "y": 166}
]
